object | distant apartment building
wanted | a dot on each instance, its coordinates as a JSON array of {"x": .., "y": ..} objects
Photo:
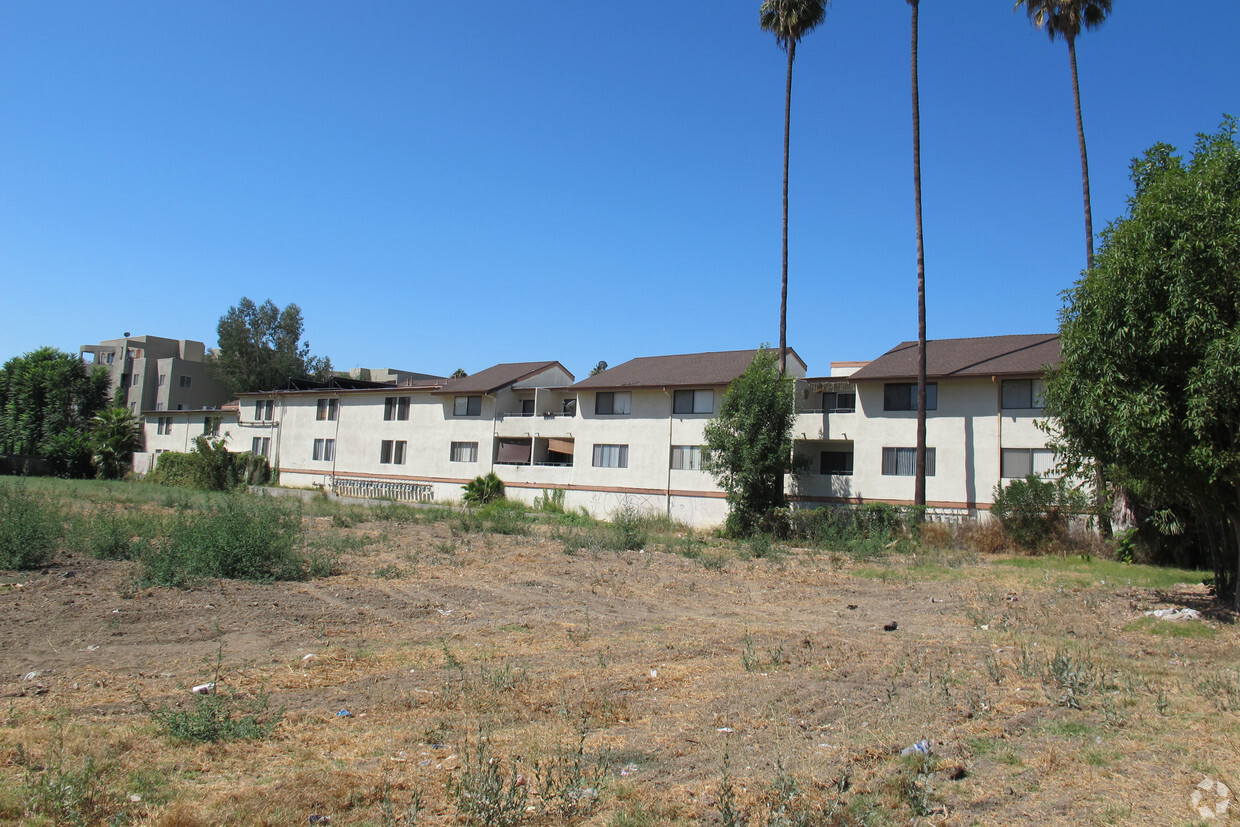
[
  {"x": 150, "y": 373},
  {"x": 633, "y": 436}
]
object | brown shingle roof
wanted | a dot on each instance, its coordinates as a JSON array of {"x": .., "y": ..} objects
[
  {"x": 498, "y": 376},
  {"x": 983, "y": 356},
  {"x": 683, "y": 370}
]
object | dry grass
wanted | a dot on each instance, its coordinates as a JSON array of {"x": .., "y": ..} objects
[{"x": 1046, "y": 698}]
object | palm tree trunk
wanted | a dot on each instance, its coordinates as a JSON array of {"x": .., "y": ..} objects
[
  {"x": 783, "y": 292},
  {"x": 919, "y": 487},
  {"x": 1080, "y": 136}
]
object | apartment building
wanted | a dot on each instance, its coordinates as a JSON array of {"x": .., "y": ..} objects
[
  {"x": 633, "y": 435},
  {"x": 176, "y": 430},
  {"x": 150, "y": 373}
]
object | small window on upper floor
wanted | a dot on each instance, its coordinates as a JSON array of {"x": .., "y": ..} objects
[
  {"x": 467, "y": 406},
  {"x": 185, "y": 381},
  {"x": 902, "y": 396},
  {"x": 611, "y": 403},
  {"x": 527, "y": 407},
  {"x": 1023, "y": 394},
  {"x": 842, "y": 401},
  {"x": 693, "y": 402},
  {"x": 327, "y": 410}
]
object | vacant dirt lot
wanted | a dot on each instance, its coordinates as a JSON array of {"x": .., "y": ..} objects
[{"x": 667, "y": 688}]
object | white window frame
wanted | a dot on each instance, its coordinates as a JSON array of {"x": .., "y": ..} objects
[
  {"x": 932, "y": 396},
  {"x": 164, "y": 425},
  {"x": 693, "y": 402},
  {"x": 463, "y": 452},
  {"x": 467, "y": 406},
  {"x": 1022, "y": 394},
  {"x": 902, "y": 462},
  {"x": 612, "y": 403},
  {"x": 687, "y": 457},
  {"x": 260, "y": 446},
  {"x": 327, "y": 409},
  {"x": 611, "y": 456},
  {"x": 1028, "y": 460}
]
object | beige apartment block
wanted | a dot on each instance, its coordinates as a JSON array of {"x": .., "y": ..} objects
[
  {"x": 164, "y": 431},
  {"x": 150, "y": 373},
  {"x": 632, "y": 436}
]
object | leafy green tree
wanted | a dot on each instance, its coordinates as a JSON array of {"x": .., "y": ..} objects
[
  {"x": 114, "y": 436},
  {"x": 47, "y": 397},
  {"x": 1066, "y": 19},
  {"x": 260, "y": 348},
  {"x": 749, "y": 444},
  {"x": 1149, "y": 385},
  {"x": 459, "y": 373},
  {"x": 789, "y": 21}
]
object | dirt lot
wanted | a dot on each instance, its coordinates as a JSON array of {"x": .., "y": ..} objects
[{"x": 702, "y": 689}]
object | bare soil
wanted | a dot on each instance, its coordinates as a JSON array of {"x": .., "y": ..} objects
[{"x": 683, "y": 680}]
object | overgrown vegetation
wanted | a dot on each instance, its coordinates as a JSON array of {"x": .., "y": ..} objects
[
  {"x": 210, "y": 466},
  {"x": 217, "y": 712},
  {"x": 1036, "y": 512},
  {"x": 31, "y": 525},
  {"x": 482, "y": 490}
]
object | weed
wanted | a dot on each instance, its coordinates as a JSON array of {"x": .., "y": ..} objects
[
  {"x": 67, "y": 794},
  {"x": 505, "y": 517},
  {"x": 712, "y": 561},
  {"x": 1223, "y": 690},
  {"x": 449, "y": 659},
  {"x": 551, "y": 501},
  {"x": 487, "y": 791},
  {"x": 220, "y": 714},
  {"x": 915, "y": 784},
  {"x": 31, "y": 524},
  {"x": 761, "y": 547},
  {"x": 628, "y": 529},
  {"x": 569, "y": 784},
  {"x": 391, "y": 572},
  {"x": 111, "y": 534},
  {"x": 1070, "y": 676},
  {"x": 729, "y": 813}
]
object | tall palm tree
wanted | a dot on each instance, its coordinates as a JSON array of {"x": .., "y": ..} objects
[
  {"x": 1067, "y": 19},
  {"x": 789, "y": 21},
  {"x": 115, "y": 435},
  {"x": 919, "y": 486}
]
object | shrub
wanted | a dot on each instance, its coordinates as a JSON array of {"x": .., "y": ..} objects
[
  {"x": 210, "y": 466},
  {"x": 1036, "y": 512},
  {"x": 31, "y": 525},
  {"x": 242, "y": 537},
  {"x": 110, "y": 534},
  {"x": 218, "y": 715},
  {"x": 983, "y": 536},
  {"x": 628, "y": 529},
  {"x": 482, "y": 490},
  {"x": 504, "y": 517},
  {"x": 551, "y": 501}
]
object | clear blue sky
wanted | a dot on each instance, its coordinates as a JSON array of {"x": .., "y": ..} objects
[{"x": 566, "y": 180}]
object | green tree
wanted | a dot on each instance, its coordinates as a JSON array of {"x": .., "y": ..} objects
[
  {"x": 459, "y": 373},
  {"x": 1149, "y": 385},
  {"x": 260, "y": 348},
  {"x": 749, "y": 444},
  {"x": 1066, "y": 19},
  {"x": 919, "y": 485},
  {"x": 789, "y": 21},
  {"x": 47, "y": 397},
  {"x": 114, "y": 436}
]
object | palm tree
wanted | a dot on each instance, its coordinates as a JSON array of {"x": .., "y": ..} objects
[
  {"x": 1066, "y": 19},
  {"x": 115, "y": 435},
  {"x": 919, "y": 486},
  {"x": 789, "y": 21}
]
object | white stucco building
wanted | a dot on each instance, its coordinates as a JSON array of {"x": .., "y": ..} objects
[{"x": 633, "y": 434}]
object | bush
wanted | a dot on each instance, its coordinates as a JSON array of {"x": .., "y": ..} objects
[
  {"x": 242, "y": 537},
  {"x": 482, "y": 490},
  {"x": 210, "y": 467},
  {"x": 110, "y": 534},
  {"x": 1036, "y": 512},
  {"x": 983, "y": 536},
  {"x": 628, "y": 529},
  {"x": 31, "y": 525},
  {"x": 218, "y": 715}
]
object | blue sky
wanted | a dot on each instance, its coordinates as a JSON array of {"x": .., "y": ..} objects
[{"x": 566, "y": 180}]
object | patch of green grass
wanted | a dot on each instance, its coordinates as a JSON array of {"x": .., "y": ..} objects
[
  {"x": 31, "y": 525},
  {"x": 1069, "y": 729},
  {"x": 1171, "y": 628},
  {"x": 1080, "y": 571}
]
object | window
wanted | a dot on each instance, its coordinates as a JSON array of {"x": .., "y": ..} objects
[
  {"x": 184, "y": 381},
  {"x": 836, "y": 464},
  {"x": 1018, "y": 463},
  {"x": 159, "y": 406},
  {"x": 324, "y": 450},
  {"x": 902, "y": 396},
  {"x": 180, "y": 406},
  {"x": 527, "y": 407},
  {"x": 1023, "y": 393},
  {"x": 687, "y": 457},
  {"x": 260, "y": 446},
  {"x": 611, "y": 403},
  {"x": 396, "y": 407},
  {"x": 137, "y": 379},
  {"x": 211, "y": 425},
  {"x": 467, "y": 406},
  {"x": 693, "y": 402},
  {"x": 611, "y": 456},
  {"x": 846, "y": 402},
  {"x": 902, "y": 462},
  {"x": 163, "y": 425},
  {"x": 162, "y": 377},
  {"x": 264, "y": 409},
  {"x": 327, "y": 410},
  {"x": 464, "y": 452},
  {"x": 392, "y": 452}
]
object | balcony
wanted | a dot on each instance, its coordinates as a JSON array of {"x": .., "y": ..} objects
[{"x": 832, "y": 424}]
